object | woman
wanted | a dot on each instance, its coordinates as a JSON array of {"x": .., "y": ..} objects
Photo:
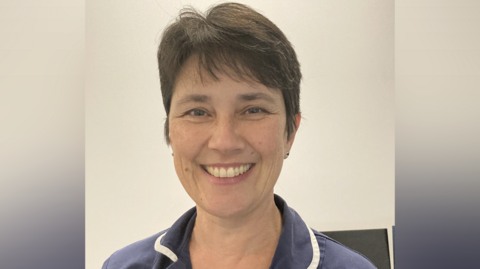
[{"x": 230, "y": 86}]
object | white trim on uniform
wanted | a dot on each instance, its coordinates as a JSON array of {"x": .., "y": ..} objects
[
  {"x": 316, "y": 250},
  {"x": 164, "y": 250}
]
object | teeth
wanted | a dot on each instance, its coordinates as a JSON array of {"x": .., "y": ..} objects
[
  {"x": 223, "y": 172},
  {"x": 237, "y": 171},
  {"x": 228, "y": 172}
]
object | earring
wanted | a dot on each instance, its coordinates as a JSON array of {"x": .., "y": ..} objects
[
  {"x": 172, "y": 154},
  {"x": 288, "y": 154}
]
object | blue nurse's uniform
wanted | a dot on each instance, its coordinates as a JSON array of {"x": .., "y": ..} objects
[{"x": 299, "y": 247}]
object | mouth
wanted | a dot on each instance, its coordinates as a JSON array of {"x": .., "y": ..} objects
[{"x": 231, "y": 171}]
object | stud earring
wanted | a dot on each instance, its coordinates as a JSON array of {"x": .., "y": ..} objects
[{"x": 288, "y": 154}]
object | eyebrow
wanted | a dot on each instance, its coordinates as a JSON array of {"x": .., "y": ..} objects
[
  {"x": 255, "y": 96},
  {"x": 196, "y": 98},
  {"x": 200, "y": 98}
]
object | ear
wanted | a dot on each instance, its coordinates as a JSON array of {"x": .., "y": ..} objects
[{"x": 298, "y": 117}]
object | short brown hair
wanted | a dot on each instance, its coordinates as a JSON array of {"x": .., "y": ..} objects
[{"x": 231, "y": 36}]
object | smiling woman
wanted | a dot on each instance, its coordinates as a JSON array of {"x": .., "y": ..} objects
[
  {"x": 230, "y": 83},
  {"x": 219, "y": 128}
]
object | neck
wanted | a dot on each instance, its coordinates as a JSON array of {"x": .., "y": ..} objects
[{"x": 238, "y": 236}]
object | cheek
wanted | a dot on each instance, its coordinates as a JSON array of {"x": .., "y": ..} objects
[
  {"x": 176, "y": 133},
  {"x": 184, "y": 139},
  {"x": 187, "y": 142},
  {"x": 185, "y": 150},
  {"x": 268, "y": 138},
  {"x": 182, "y": 149}
]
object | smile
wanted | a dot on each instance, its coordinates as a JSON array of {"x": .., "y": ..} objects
[{"x": 227, "y": 171}]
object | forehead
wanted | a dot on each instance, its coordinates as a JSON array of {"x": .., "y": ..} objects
[{"x": 192, "y": 77}]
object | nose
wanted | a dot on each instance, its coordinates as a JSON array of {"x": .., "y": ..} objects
[{"x": 225, "y": 137}]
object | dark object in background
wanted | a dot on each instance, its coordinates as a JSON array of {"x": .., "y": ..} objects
[
  {"x": 393, "y": 240},
  {"x": 373, "y": 244}
]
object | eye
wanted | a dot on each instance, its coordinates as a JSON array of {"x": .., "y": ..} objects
[
  {"x": 197, "y": 113},
  {"x": 254, "y": 110}
]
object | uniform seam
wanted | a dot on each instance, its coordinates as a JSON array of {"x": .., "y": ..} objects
[
  {"x": 322, "y": 259},
  {"x": 338, "y": 243}
]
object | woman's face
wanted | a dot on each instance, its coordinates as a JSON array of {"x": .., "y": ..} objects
[{"x": 229, "y": 141}]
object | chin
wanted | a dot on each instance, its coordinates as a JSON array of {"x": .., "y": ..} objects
[{"x": 226, "y": 205}]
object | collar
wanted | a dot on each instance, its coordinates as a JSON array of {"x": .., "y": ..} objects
[{"x": 297, "y": 245}]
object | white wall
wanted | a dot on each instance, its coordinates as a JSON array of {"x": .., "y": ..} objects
[{"x": 340, "y": 174}]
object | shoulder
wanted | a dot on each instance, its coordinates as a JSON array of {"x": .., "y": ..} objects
[
  {"x": 140, "y": 254},
  {"x": 336, "y": 255}
]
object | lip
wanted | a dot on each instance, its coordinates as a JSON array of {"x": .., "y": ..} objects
[
  {"x": 225, "y": 181},
  {"x": 226, "y": 164}
]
